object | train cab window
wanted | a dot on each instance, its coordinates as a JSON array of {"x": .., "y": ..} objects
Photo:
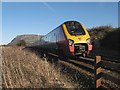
[{"x": 75, "y": 28}]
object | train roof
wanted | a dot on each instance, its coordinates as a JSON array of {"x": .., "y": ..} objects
[{"x": 70, "y": 21}]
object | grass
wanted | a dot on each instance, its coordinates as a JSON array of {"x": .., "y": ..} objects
[{"x": 24, "y": 69}]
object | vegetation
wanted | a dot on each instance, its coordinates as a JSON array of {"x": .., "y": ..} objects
[
  {"x": 101, "y": 31},
  {"x": 21, "y": 43},
  {"x": 107, "y": 36},
  {"x": 24, "y": 69}
]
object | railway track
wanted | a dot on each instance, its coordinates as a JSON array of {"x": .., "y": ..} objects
[
  {"x": 84, "y": 68},
  {"x": 106, "y": 58},
  {"x": 83, "y": 65}
]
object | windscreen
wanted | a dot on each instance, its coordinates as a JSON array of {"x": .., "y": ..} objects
[{"x": 75, "y": 28}]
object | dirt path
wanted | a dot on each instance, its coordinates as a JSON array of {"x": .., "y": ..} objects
[{"x": 24, "y": 69}]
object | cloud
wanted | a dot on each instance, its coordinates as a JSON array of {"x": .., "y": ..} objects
[{"x": 49, "y": 7}]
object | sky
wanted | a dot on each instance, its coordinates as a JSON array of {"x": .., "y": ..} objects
[{"x": 40, "y": 18}]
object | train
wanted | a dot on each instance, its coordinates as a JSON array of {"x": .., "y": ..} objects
[{"x": 70, "y": 39}]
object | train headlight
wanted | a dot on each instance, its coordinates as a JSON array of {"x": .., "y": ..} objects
[
  {"x": 88, "y": 40},
  {"x": 71, "y": 42}
]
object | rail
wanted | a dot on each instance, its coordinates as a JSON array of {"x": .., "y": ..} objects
[{"x": 100, "y": 70}]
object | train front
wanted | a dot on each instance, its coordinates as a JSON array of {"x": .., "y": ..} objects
[{"x": 78, "y": 38}]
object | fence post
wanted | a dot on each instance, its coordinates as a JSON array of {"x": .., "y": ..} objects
[{"x": 98, "y": 72}]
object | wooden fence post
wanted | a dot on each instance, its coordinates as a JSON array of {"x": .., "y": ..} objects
[{"x": 98, "y": 72}]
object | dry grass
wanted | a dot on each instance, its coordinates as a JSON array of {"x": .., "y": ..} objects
[
  {"x": 0, "y": 67},
  {"x": 24, "y": 69}
]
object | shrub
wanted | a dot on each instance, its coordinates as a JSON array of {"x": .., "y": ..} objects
[{"x": 21, "y": 43}]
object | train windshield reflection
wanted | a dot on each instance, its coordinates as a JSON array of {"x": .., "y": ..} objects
[{"x": 75, "y": 28}]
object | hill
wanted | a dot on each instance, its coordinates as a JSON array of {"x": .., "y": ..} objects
[{"x": 28, "y": 38}]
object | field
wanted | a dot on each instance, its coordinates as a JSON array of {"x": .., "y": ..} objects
[{"x": 24, "y": 69}]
